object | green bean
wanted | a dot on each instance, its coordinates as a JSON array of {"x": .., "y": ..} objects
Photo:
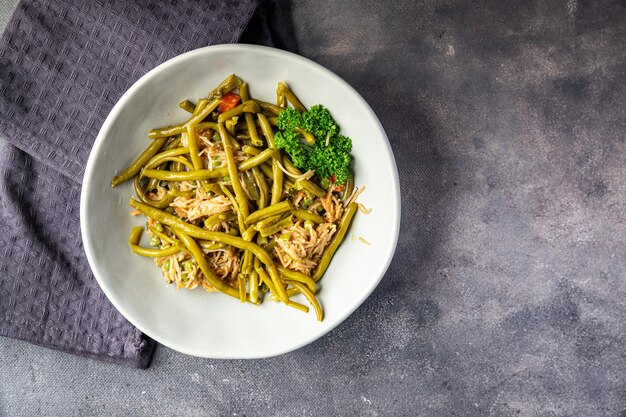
[
  {"x": 298, "y": 276},
  {"x": 298, "y": 306},
  {"x": 278, "y": 284},
  {"x": 187, "y": 106},
  {"x": 267, "y": 171},
  {"x": 230, "y": 83},
  {"x": 176, "y": 166},
  {"x": 249, "y": 233},
  {"x": 272, "y": 210},
  {"x": 249, "y": 118},
  {"x": 171, "y": 144},
  {"x": 269, "y": 107},
  {"x": 290, "y": 293},
  {"x": 255, "y": 139},
  {"x": 195, "y": 119},
  {"x": 139, "y": 188},
  {"x": 281, "y": 100},
  {"x": 328, "y": 254},
  {"x": 206, "y": 126},
  {"x": 263, "y": 187},
  {"x": 254, "y": 286},
  {"x": 243, "y": 92},
  {"x": 177, "y": 193},
  {"x": 179, "y": 160},
  {"x": 179, "y": 163},
  {"x": 289, "y": 185},
  {"x": 273, "y": 120},
  {"x": 259, "y": 178},
  {"x": 162, "y": 203},
  {"x": 249, "y": 106},
  {"x": 311, "y": 188},
  {"x": 276, "y": 227},
  {"x": 250, "y": 150},
  {"x": 201, "y": 174},
  {"x": 246, "y": 262},
  {"x": 192, "y": 144},
  {"x": 266, "y": 128},
  {"x": 242, "y": 287},
  {"x": 135, "y": 235},
  {"x": 307, "y": 215},
  {"x": 155, "y": 253},
  {"x": 200, "y": 105},
  {"x": 263, "y": 241},
  {"x": 230, "y": 128},
  {"x": 240, "y": 224},
  {"x": 306, "y": 185},
  {"x": 235, "y": 206},
  {"x": 133, "y": 240},
  {"x": 209, "y": 246},
  {"x": 230, "y": 196},
  {"x": 136, "y": 166},
  {"x": 242, "y": 135},
  {"x": 258, "y": 159},
  {"x": 153, "y": 183},
  {"x": 319, "y": 313},
  {"x": 213, "y": 187},
  {"x": 277, "y": 173},
  {"x": 265, "y": 223},
  {"x": 291, "y": 97},
  {"x": 265, "y": 278},
  {"x": 250, "y": 189},
  {"x": 217, "y": 219},
  {"x": 233, "y": 172},
  {"x": 198, "y": 256}
]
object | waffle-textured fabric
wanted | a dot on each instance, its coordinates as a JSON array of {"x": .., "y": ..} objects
[{"x": 63, "y": 65}]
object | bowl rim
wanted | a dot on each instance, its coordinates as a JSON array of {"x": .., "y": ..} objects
[{"x": 394, "y": 221}]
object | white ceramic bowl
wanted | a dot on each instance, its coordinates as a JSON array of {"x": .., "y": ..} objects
[{"x": 210, "y": 324}]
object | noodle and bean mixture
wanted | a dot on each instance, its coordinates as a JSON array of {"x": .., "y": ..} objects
[{"x": 246, "y": 197}]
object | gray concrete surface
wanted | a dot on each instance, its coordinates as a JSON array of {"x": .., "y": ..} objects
[{"x": 507, "y": 296}]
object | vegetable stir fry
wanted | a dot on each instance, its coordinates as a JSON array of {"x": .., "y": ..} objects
[{"x": 228, "y": 206}]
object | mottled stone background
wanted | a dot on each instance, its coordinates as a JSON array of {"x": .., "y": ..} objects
[{"x": 507, "y": 296}]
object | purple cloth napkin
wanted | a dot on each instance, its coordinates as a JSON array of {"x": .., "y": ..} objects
[{"x": 63, "y": 65}]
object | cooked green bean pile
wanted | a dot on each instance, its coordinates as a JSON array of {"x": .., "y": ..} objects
[{"x": 229, "y": 211}]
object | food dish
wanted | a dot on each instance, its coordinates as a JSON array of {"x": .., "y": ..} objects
[
  {"x": 219, "y": 327},
  {"x": 228, "y": 208}
]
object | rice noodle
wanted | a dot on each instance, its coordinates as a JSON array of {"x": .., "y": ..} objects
[
  {"x": 355, "y": 194},
  {"x": 364, "y": 209},
  {"x": 202, "y": 205},
  {"x": 301, "y": 252},
  {"x": 332, "y": 207}
]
